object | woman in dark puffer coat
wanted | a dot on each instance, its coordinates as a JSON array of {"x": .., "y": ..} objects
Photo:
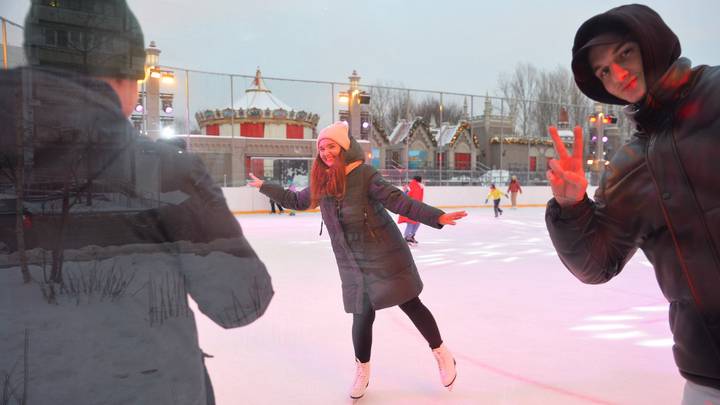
[{"x": 376, "y": 267}]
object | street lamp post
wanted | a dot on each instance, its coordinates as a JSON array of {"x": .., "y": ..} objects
[
  {"x": 152, "y": 96},
  {"x": 599, "y": 120}
]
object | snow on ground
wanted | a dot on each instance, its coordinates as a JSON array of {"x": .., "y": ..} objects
[{"x": 522, "y": 328}]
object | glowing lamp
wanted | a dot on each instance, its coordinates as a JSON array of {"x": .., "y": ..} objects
[{"x": 167, "y": 78}]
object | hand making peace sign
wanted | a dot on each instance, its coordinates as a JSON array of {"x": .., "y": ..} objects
[{"x": 566, "y": 175}]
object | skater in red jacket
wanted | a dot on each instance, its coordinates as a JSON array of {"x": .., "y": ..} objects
[{"x": 415, "y": 190}]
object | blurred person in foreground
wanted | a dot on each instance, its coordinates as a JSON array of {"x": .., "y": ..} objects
[
  {"x": 659, "y": 191},
  {"x": 125, "y": 228}
]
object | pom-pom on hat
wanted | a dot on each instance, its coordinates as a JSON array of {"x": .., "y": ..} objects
[{"x": 337, "y": 132}]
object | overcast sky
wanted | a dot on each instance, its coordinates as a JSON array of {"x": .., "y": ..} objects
[{"x": 450, "y": 45}]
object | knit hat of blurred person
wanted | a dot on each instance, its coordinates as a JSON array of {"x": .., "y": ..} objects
[
  {"x": 337, "y": 132},
  {"x": 99, "y": 38}
]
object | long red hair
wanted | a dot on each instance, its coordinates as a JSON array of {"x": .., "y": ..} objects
[{"x": 327, "y": 180}]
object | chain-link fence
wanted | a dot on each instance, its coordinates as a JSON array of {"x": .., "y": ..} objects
[{"x": 450, "y": 138}]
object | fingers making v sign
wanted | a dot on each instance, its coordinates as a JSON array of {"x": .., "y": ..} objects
[{"x": 566, "y": 174}]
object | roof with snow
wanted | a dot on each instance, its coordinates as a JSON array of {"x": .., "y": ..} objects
[
  {"x": 447, "y": 133},
  {"x": 405, "y": 130},
  {"x": 401, "y": 131}
]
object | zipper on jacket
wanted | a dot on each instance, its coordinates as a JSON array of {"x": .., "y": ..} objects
[{"x": 365, "y": 214}]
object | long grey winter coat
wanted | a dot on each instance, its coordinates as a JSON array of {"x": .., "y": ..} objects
[{"x": 372, "y": 255}]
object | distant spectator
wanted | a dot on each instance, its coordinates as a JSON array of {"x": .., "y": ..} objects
[{"x": 514, "y": 188}]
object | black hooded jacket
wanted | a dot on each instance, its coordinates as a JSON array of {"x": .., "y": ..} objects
[{"x": 660, "y": 192}]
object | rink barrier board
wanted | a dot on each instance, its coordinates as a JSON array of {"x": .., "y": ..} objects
[
  {"x": 247, "y": 200},
  {"x": 437, "y": 206}
]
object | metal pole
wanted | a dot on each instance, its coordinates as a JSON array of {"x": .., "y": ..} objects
[
  {"x": 332, "y": 100},
  {"x": 600, "y": 145},
  {"x": 527, "y": 178},
  {"x": 441, "y": 125},
  {"x": 232, "y": 133},
  {"x": 473, "y": 164},
  {"x": 502, "y": 132},
  {"x": 441, "y": 110},
  {"x": 187, "y": 107},
  {"x": 4, "y": 44},
  {"x": 232, "y": 107},
  {"x": 407, "y": 140}
]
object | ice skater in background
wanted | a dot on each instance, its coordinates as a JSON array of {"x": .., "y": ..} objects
[
  {"x": 415, "y": 190},
  {"x": 376, "y": 267},
  {"x": 495, "y": 195},
  {"x": 514, "y": 188},
  {"x": 274, "y": 203}
]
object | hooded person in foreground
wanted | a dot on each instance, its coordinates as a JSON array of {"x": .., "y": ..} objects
[
  {"x": 95, "y": 306},
  {"x": 659, "y": 192},
  {"x": 376, "y": 267}
]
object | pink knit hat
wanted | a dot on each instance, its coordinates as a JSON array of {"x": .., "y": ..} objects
[{"x": 338, "y": 132}]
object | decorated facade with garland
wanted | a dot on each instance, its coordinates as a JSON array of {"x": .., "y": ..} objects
[{"x": 411, "y": 144}]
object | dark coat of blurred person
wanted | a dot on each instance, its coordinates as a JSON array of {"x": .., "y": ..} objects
[
  {"x": 659, "y": 192},
  {"x": 137, "y": 225}
]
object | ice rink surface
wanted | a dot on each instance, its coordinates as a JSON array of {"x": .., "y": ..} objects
[{"x": 523, "y": 330}]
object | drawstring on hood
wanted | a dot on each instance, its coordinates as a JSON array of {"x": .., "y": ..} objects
[{"x": 659, "y": 46}]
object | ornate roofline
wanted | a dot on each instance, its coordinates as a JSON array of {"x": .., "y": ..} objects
[
  {"x": 463, "y": 126},
  {"x": 418, "y": 123},
  {"x": 240, "y": 115}
]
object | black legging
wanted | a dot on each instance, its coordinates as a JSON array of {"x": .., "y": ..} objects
[
  {"x": 496, "y": 207},
  {"x": 414, "y": 309}
]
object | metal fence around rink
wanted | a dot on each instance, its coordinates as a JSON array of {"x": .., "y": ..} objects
[{"x": 509, "y": 134}]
